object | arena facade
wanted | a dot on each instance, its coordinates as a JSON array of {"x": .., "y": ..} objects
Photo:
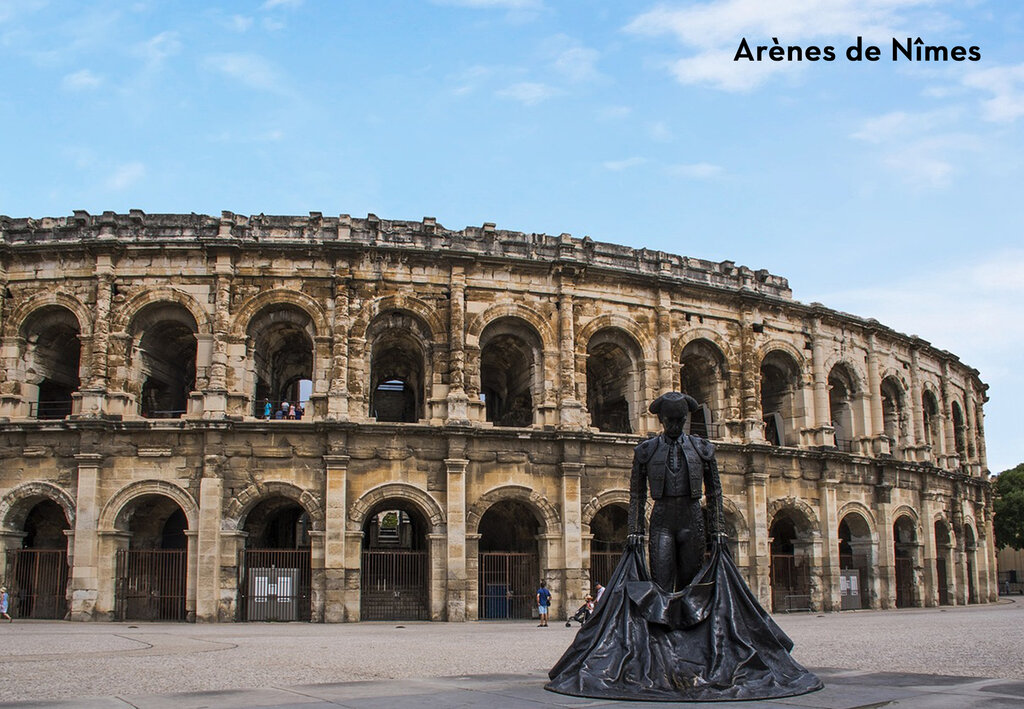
[{"x": 471, "y": 402}]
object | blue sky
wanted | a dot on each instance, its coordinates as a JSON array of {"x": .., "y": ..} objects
[{"x": 889, "y": 189}]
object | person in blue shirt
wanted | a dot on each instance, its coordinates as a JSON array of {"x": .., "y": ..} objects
[{"x": 543, "y": 603}]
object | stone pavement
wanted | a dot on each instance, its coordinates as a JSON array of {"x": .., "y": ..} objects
[{"x": 950, "y": 657}]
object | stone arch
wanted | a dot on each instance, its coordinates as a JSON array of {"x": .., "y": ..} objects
[
  {"x": 798, "y": 505},
  {"x": 16, "y": 504},
  {"x": 602, "y": 500},
  {"x": 856, "y": 372},
  {"x": 531, "y": 498},
  {"x": 420, "y": 499},
  {"x": 402, "y": 303},
  {"x": 907, "y": 511},
  {"x": 533, "y": 318},
  {"x": 705, "y": 333},
  {"x": 854, "y": 507},
  {"x": 641, "y": 341},
  {"x": 110, "y": 516},
  {"x": 702, "y": 370},
  {"x": 783, "y": 346},
  {"x": 243, "y": 502},
  {"x": 279, "y": 296},
  {"x": 612, "y": 378},
  {"x": 135, "y": 305},
  {"x": 736, "y": 515},
  {"x": 24, "y": 311}
]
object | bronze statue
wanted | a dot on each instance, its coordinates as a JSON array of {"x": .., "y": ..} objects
[
  {"x": 691, "y": 630},
  {"x": 675, "y": 466}
]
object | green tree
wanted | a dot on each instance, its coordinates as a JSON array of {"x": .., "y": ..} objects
[{"x": 1009, "y": 508}]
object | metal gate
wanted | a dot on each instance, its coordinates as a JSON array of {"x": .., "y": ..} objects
[
  {"x": 150, "y": 584},
  {"x": 904, "y": 582},
  {"x": 508, "y": 584},
  {"x": 394, "y": 585},
  {"x": 38, "y": 580},
  {"x": 942, "y": 581},
  {"x": 791, "y": 584},
  {"x": 274, "y": 584},
  {"x": 602, "y": 564}
]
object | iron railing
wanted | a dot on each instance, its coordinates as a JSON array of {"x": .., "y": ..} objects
[
  {"x": 395, "y": 585},
  {"x": 508, "y": 584},
  {"x": 38, "y": 583},
  {"x": 275, "y": 584},
  {"x": 150, "y": 584}
]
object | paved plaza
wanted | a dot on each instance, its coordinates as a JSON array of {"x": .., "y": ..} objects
[{"x": 950, "y": 657}]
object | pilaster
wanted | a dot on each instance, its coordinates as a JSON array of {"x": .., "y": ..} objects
[
  {"x": 458, "y": 587},
  {"x": 85, "y": 571},
  {"x": 335, "y": 496}
]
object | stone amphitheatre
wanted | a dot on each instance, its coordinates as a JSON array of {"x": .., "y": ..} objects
[{"x": 469, "y": 405}]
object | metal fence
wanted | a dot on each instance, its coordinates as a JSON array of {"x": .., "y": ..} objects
[
  {"x": 38, "y": 581},
  {"x": 904, "y": 582},
  {"x": 274, "y": 584},
  {"x": 395, "y": 585},
  {"x": 602, "y": 564},
  {"x": 508, "y": 584},
  {"x": 150, "y": 584},
  {"x": 791, "y": 584}
]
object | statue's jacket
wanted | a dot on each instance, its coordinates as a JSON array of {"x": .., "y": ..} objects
[{"x": 651, "y": 469}]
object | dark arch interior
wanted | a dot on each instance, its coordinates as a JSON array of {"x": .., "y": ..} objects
[
  {"x": 609, "y": 528},
  {"x": 506, "y": 378},
  {"x": 840, "y": 394},
  {"x": 45, "y": 527},
  {"x": 282, "y": 354},
  {"x": 508, "y": 525},
  {"x": 700, "y": 370},
  {"x": 168, "y": 352},
  {"x": 156, "y": 522},
  {"x": 783, "y": 533},
  {"x": 892, "y": 409},
  {"x": 277, "y": 523},
  {"x": 397, "y": 378},
  {"x": 395, "y": 524},
  {"x": 609, "y": 370},
  {"x": 780, "y": 380},
  {"x": 54, "y": 353}
]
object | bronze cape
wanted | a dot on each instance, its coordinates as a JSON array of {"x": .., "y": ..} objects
[{"x": 711, "y": 641}]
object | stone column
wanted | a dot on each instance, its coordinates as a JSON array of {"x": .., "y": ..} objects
[
  {"x": 85, "y": 571},
  {"x": 886, "y": 551},
  {"x": 335, "y": 514},
  {"x": 760, "y": 553},
  {"x": 458, "y": 402},
  {"x": 570, "y": 409},
  {"x": 318, "y": 574},
  {"x": 915, "y": 409},
  {"x": 823, "y": 433},
  {"x": 750, "y": 405},
  {"x": 875, "y": 427},
  {"x": 92, "y": 394},
  {"x": 574, "y": 588},
  {"x": 831, "y": 599},
  {"x": 207, "y": 580},
  {"x": 216, "y": 395},
  {"x": 337, "y": 393},
  {"x": 458, "y": 588},
  {"x": 192, "y": 576},
  {"x": 930, "y": 505}
]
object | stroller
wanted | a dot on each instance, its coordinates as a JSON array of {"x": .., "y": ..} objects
[{"x": 582, "y": 613}]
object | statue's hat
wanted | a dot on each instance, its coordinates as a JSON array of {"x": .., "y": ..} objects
[{"x": 674, "y": 402}]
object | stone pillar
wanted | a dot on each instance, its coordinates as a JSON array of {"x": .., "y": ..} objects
[
  {"x": 335, "y": 514},
  {"x": 208, "y": 556},
  {"x": 760, "y": 553},
  {"x": 458, "y": 588},
  {"x": 574, "y": 588},
  {"x": 831, "y": 597},
  {"x": 192, "y": 576},
  {"x": 750, "y": 405},
  {"x": 85, "y": 571},
  {"x": 215, "y": 404},
  {"x": 337, "y": 391},
  {"x": 458, "y": 402},
  {"x": 875, "y": 423},
  {"x": 930, "y": 506},
  {"x": 915, "y": 409},
  {"x": 823, "y": 433},
  {"x": 886, "y": 551},
  {"x": 318, "y": 575},
  {"x": 92, "y": 394},
  {"x": 570, "y": 409}
]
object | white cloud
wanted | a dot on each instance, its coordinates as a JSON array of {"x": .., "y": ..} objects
[
  {"x": 155, "y": 50},
  {"x": 577, "y": 63},
  {"x": 618, "y": 165},
  {"x": 288, "y": 4},
  {"x": 1006, "y": 84},
  {"x": 713, "y": 30},
  {"x": 614, "y": 113},
  {"x": 124, "y": 176},
  {"x": 696, "y": 171},
  {"x": 81, "y": 80},
  {"x": 528, "y": 93},
  {"x": 659, "y": 131},
  {"x": 250, "y": 70},
  {"x": 239, "y": 23}
]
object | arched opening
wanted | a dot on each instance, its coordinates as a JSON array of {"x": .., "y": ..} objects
[
  {"x": 930, "y": 414},
  {"x": 509, "y": 561},
  {"x": 943, "y": 560},
  {"x": 790, "y": 562},
  {"x": 855, "y": 562},
  {"x": 395, "y": 573},
  {"x": 52, "y": 356},
  {"x": 608, "y": 530},
  {"x": 781, "y": 409},
  {"x": 164, "y": 359},
  {"x": 397, "y": 369},
  {"x": 611, "y": 383},
  {"x": 509, "y": 356},
  {"x": 959, "y": 432},
  {"x": 281, "y": 339},
  {"x": 971, "y": 559},
  {"x": 37, "y": 574},
  {"x": 841, "y": 388},
  {"x": 151, "y": 571},
  {"x": 702, "y": 370},
  {"x": 905, "y": 550},
  {"x": 894, "y": 419},
  {"x": 276, "y": 566}
]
